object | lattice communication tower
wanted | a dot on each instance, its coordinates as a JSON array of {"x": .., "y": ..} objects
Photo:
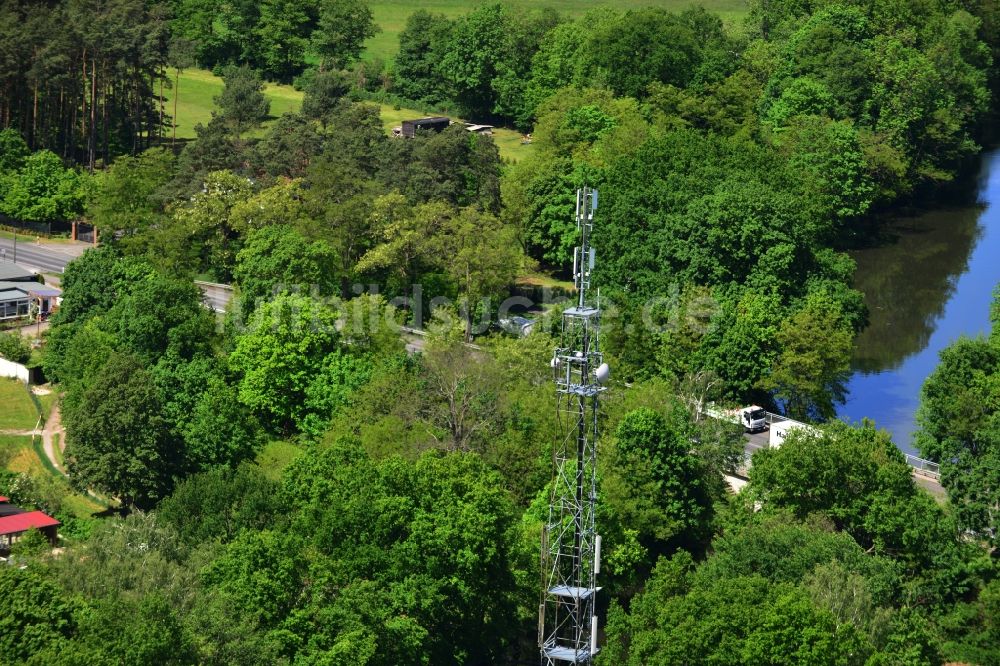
[{"x": 571, "y": 547}]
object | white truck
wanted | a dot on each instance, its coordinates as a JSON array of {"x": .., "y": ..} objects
[
  {"x": 753, "y": 418},
  {"x": 780, "y": 429}
]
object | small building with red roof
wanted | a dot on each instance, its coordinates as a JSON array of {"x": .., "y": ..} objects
[{"x": 14, "y": 526}]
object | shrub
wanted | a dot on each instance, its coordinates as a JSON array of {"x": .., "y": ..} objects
[{"x": 14, "y": 348}]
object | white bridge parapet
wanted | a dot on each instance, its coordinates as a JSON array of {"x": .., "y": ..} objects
[
  {"x": 920, "y": 466},
  {"x": 924, "y": 467}
]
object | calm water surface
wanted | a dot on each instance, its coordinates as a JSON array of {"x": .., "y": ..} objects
[{"x": 931, "y": 283}]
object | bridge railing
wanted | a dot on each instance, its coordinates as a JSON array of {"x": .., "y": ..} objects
[
  {"x": 775, "y": 418},
  {"x": 215, "y": 285},
  {"x": 924, "y": 467}
]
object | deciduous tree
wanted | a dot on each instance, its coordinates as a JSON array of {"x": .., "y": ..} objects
[
  {"x": 838, "y": 471},
  {"x": 125, "y": 196},
  {"x": 279, "y": 354},
  {"x": 325, "y": 90},
  {"x": 343, "y": 28},
  {"x": 34, "y": 614},
  {"x": 277, "y": 259},
  {"x": 422, "y": 44},
  {"x": 281, "y": 37},
  {"x": 960, "y": 428},
  {"x": 43, "y": 190},
  {"x": 13, "y": 151},
  {"x": 117, "y": 442},
  {"x": 654, "y": 482},
  {"x": 807, "y": 377},
  {"x": 483, "y": 259}
]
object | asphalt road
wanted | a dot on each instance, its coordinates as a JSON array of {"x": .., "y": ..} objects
[
  {"x": 43, "y": 257},
  {"x": 756, "y": 440},
  {"x": 53, "y": 257},
  {"x": 217, "y": 296}
]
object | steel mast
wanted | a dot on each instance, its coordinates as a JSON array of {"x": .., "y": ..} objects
[{"x": 571, "y": 548}]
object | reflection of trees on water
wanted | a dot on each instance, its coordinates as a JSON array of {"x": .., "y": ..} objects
[{"x": 907, "y": 282}]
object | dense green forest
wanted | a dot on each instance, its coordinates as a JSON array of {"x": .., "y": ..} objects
[{"x": 292, "y": 483}]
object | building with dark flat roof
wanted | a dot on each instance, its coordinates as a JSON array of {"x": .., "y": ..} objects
[
  {"x": 7, "y": 509},
  {"x": 10, "y": 272},
  {"x": 434, "y": 124}
]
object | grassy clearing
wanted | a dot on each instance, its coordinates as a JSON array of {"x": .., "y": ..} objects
[
  {"x": 17, "y": 411},
  {"x": 537, "y": 279},
  {"x": 27, "y": 457},
  {"x": 11, "y": 447},
  {"x": 30, "y": 459},
  {"x": 511, "y": 147},
  {"x": 391, "y": 15},
  {"x": 198, "y": 90},
  {"x": 24, "y": 454},
  {"x": 276, "y": 456},
  {"x": 57, "y": 450},
  {"x": 507, "y": 140},
  {"x": 82, "y": 506},
  {"x": 24, "y": 460},
  {"x": 195, "y": 92},
  {"x": 393, "y": 117}
]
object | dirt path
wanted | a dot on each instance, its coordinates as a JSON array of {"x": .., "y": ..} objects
[{"x": 53, "y": 425}]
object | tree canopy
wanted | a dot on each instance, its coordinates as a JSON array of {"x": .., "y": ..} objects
[
  {"x": 301, "y": 480},
  {"x": 117, "y": 440},
  {"x": 958, "y": 428}
]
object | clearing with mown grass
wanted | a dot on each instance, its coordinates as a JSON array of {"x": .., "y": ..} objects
[
  {"x": 22, "y": 455},
  {"x": 12, "y": 448},
  {"x": 17, "y": 411},
  {"x": 391, "y": 16},
  {"x": 199, "y": 88},
  {"x": 196, "y": 101}
]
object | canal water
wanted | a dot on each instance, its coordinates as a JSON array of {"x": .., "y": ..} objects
[{"x": 928, "y": 284}]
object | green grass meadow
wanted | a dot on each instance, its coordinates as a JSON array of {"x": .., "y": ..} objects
[
  {"x": 199, "y": 88},
  {"x": 12, "y": 445},
  {"x": 391, "y": 15},
  {"x": 17, "y": 411},
  {"x": 196, "y": 100},
  {"x": 17, "y": 453}
]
